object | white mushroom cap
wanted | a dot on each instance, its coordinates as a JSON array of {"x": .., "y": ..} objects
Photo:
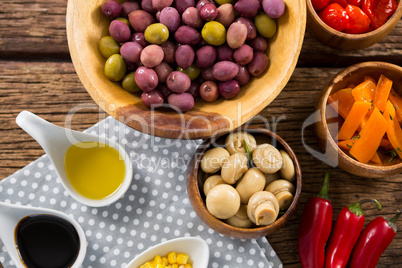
[
  {"x": 240, "y": 219},
  {"x": 211, "y": 182},
  {"x": 267, "y": 158},
  {"x": 283, "y": 191},
  {"x": 223, "y": 201},
  {"x": 252, "y": 181},
  {"x": 234, "y": 167},
  {"x": 288, "y": 169},
  {"x": 234, "y": 142},
  {"x": 263, "y": 208},
  {"x": 213, "y": 159}
]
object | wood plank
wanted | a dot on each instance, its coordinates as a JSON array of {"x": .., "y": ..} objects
[
  {"x": 52, "y": 89},
  {"x": 36, "y": 29}
]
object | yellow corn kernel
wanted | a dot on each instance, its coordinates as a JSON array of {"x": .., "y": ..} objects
[
  {"x": 168, "y": 266},
  {"x": 148, "y": 264},
  {"x": 175, "y": 265},
  {"x": 182, "y": 258},
  {"x": 172, "y": 258},
  {"x": 187, "y": 265},
  {"x": 160, "y": 265},
  {"x": 158, "y": 259},
  {"x": 165, "y": 261}
]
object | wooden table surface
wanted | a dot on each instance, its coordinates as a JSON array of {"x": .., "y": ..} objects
[{"x": 36, "y": 74}]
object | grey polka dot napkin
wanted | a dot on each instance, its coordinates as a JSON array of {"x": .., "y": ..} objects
[{"x": 156, "y": 207}]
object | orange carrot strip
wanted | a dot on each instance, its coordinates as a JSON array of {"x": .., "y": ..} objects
[
  {"x": 376, "y": 159},
  {"x": 394, "y": 131},
  {"x": 365, "y": 91},
  {"x": 353, "y": 120},
  {"x": 342, "y": 101},
  {"x": 369, "y": 78},
  {"x": 384, "y": 86},
  {"x": 346, "y": 145},
  {"x": 370, "y": 137},
  {"x": 396, "y": 100}
]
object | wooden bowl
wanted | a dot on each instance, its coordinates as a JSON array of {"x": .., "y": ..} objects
[
  {"x": 344, "y": 41},
  {"x": 196, "y": 178},
  {"x": 354, "y": 74},
  {"x": 85, "y": 27}
]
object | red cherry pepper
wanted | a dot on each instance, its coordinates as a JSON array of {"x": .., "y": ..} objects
[
  {"x": 346, "y": 231},
  {"x": 373, "y": 241},
  {"x": 379, "y": 11},
  {"x": 343, "y": 3},
  {"x": 357, "y": 3},
  {"x": 315, "y": 228},
  {"x": 359, "y": 22},
  {"x": 319, "y": 4},
  {"x": 335, "y": 16}
]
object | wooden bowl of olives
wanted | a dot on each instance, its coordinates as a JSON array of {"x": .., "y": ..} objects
[
  {"x": 244, "y": 184},
  {"x": 87, "y": 25}
]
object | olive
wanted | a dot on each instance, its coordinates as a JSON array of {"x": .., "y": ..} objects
[
  {"x": 129, "y": 84},
  {"x": 247, "y": 8},
  {"x": 182, "y": 102},
  {"x": 124, "y": 20},
  {"x": 214, "y": 33},
  {"x": 209, "y": 91},
  {"x": 119, "y": 31},
  {"x": 108, "y": 46},
  {"x": 192, "y": 72},
  {"x": 152, "y": 99},
  {"x": 161, "y": 4},
  {"x": 266, "y": 26},
  {"x": 182, "y": 5},
  {"x": 128, "y": 7},
  {"x": 208, "y": 12},
  {"x": 131, "y": 51},
  {"x": 115, "y": 67},
  {"x": 170, "y": 18},
  {"x": 191, "y": 17},
  {"x": 111, "y": 9},
  {"x": 222, "y": 2},
  {"x": 226, "y": 14},
  {"x": 140, "y": 20},
  {"x": 156, "y": 33},
  {"x": 151, "y": 56}
]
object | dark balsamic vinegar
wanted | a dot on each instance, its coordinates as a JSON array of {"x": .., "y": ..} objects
[{"x": 47, "y": 241}]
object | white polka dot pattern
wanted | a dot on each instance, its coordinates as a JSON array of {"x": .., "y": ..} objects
[{"x": 154, "y": 209}]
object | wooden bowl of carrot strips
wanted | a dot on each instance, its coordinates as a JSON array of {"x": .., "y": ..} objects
[{"x": 360, "y": 123}]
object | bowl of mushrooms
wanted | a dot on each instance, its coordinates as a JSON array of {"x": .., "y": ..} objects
[{"x": 244, "y": 184}]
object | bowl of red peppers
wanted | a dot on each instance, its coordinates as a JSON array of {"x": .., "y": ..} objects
[{"x": 352, "y": 24}]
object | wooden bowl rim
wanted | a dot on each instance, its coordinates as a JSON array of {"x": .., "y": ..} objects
[
  {"x": 356, "y": 37},
  {"x": 237, "y": 232},
  {"x": 323, "y": 105}
]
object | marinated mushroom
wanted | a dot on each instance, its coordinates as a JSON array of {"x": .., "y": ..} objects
[
  {"x": 241, "y": 219},
  {"x": 270, "y": 177},
  {"x": 233, "y": 168},
  {"x": 234, "y": 142},
  {"x": 213, "y": 159},
  {"x": 223, "y": 201},
  {"x": 288, "y": 169},
  {"x": 267, "y": 158},
  {"x": 252, "y": 181},
  {"x": 211, "y": 182},
  {"x": 262, "y": 208},
  {"x": 283, "y": 191}
]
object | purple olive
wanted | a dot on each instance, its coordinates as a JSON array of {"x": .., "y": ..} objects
[
  {"x": 259, "y": 64},
  {"x": 128, "y": 7},
  {"x": 243, "y": 55},
  {"x": 140, "y": 39},
  {"x": 152, "y": 99},
  {"x": 243, "y": 76},
  {"x": 182, "y": 102},
  {"x": 169, "y": 50},
  {"x": 178, "y": 82},
  {"x": 111, "y": 9},
  {"x": 224, "y": 53},
  {"x": 187, "y": 35},
  {"x": 209, "y": 91},
  {"x": 229, "y": 89},
  {"x": 184, "y": 56},
  {"x": 163, "y": 70},
  {"x": 119, "y": 31},
  {"x": 182, "y": 5},
  {"x": 258, "y": 44},
  {"x": 131, "y": 51},
  {"x": 251, "y": 29},
  {"x": 206, "y": 57},
  {"x": 191, "y": 17},
  {"x": 194, "y": 90},
  {"x": 273, "y": 8},
  {"x": 146, "y": 79},
  {"x": 225, "y": 70},
  {"x": 161, "y": 4},
  {"x": 140, "y": 20},
  {"x": 247, "y": 8},
  {"x": 170, "y": 18},
  {"x": 208, "y": 12}
]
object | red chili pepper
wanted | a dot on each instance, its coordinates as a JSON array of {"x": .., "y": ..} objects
[
  {"x": 379, "y": 11},
  {"x": 346, "y": 231},
  {"x": 335, "y": 16},
  {"x": 319, "y": 4},
  {"x": 315, "y": 228},
  {"x": 373, "y": 241},
  {"x": 359, "y": 22}
]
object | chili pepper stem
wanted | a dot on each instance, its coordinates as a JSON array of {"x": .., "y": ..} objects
[
  {"x": 324, "y": 190},
  {"x": 356, "y": 208},
  {"x": 392, "y": 222}
]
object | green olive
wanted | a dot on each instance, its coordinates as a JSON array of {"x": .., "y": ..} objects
[
  {"x": 266, "y": 26},
  {"x": 156, "y": 33},
  {"x": 192, "y": 72},
  {"x": 124, "y": 20},
  {"x": 214, "y": 33},
  {"x": 108, "y": 46},
  {"x": 221, "y": 2},
  {"x": 115, "y": 67},
  {"x": 129, "y": 84}
]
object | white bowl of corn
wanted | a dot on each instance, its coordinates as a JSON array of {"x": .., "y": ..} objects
[{"x": 184, "y": 252}]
